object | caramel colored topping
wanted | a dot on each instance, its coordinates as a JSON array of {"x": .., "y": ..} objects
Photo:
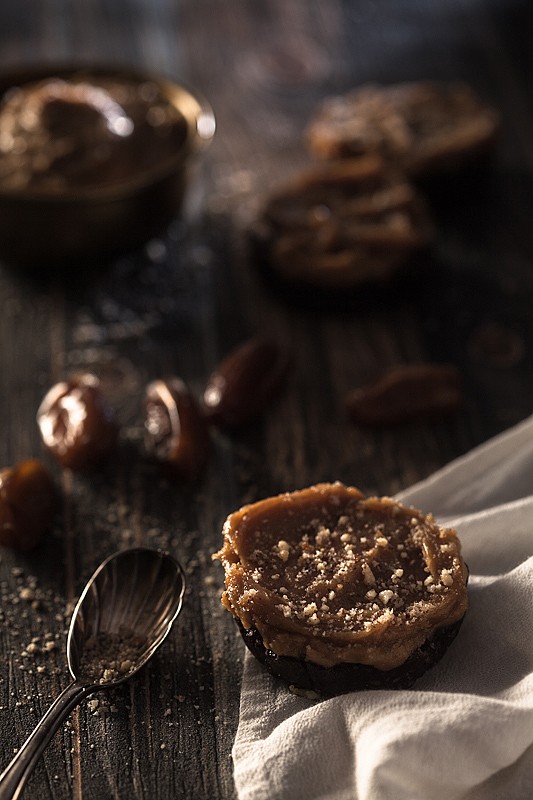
[
  {"x": 344, "y": 223},
  {"x": 420, "y": 126},
  {"x": 331, "y": 576}
]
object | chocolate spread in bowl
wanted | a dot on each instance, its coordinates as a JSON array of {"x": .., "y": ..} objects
[
  {"x": 87, "y": 131},
  {"x": 331, "y": 577}
]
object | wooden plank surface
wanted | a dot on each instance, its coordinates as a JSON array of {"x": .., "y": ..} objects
[{"x": 179, "y": 305}]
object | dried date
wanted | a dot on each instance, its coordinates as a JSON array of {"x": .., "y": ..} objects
[
  {"x": 77, "y": 424},
  {"x": 175, "y": 430},
  {"x": 406, "y": 393},
  {"x": 28, "y": 502},
  {"x": 244, "y": 383}
]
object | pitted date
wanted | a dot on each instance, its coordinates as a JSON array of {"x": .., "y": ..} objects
[
  {"x": 77, "y": 424},
  {"x": 244, "y": 383},
  {"x": 175, "y": 430},
  {"x": 28, "y": 502},
  {"x": 406, "y": 393}
]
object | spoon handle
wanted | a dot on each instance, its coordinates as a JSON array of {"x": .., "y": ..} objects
[{"x": 14, "y": 777}]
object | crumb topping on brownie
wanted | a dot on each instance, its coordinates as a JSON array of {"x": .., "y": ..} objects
[
  {"x": 345, "y": 222},
  {"x": 331, "y": 576},
  {"x": 416, "y": 125}
]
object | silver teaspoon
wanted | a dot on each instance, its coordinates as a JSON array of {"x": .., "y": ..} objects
[{"x": 123, "y": 615}]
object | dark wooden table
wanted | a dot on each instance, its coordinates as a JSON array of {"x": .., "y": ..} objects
[{"x": 184, "y": 301}]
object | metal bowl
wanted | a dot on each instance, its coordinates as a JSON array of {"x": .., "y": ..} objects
[{"x": 75, "y": 226}]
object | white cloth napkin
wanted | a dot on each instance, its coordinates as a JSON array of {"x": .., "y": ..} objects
[{"x": 466, "y": 729}]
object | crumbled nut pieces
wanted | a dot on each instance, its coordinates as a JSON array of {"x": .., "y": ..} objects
[
  {"x": 364, "y": 580},
  {"x": 27, "y": 612},
  {"x": 343, "y": 224},
  {"x": 108, "y": 656},
  {"x": 99, "y": 708},
  {"x": 308, "y": 694}
]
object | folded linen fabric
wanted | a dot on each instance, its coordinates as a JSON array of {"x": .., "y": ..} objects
[{"x": 465, "y": 730}]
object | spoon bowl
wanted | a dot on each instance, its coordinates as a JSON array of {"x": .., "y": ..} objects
[{"x": 124, "y": 613}]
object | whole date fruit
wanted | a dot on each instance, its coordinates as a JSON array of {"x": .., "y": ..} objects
[
  {"x": 175, "y": 431},
  {"x": 406, "y": 393},
  {"x": 244, "y": 383},
  {"x": 77, "y": 424},
  {"x": 28, "y": 502}
]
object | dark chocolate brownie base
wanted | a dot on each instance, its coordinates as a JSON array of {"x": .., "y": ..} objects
[
  {"x": 403, "y": 282},
  {"x": 307, "y": 676}
]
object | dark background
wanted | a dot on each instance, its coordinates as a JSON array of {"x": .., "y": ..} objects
[{"x": 180, "y": 304}]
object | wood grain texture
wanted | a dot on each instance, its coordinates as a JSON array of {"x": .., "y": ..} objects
[{"x": 179, "y": 305}]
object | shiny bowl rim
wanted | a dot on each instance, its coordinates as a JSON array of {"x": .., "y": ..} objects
[{"x": 199, "y": 114}]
